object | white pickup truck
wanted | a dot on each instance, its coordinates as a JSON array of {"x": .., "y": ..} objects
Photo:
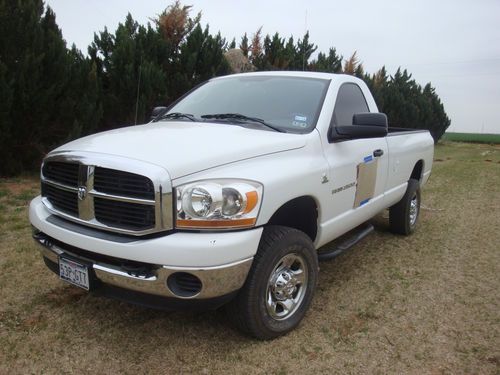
[{"x": 228, "y": 196}]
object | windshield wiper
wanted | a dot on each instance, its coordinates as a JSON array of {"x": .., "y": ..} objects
[
  {"x": 243, "y": 118},
  {"x": 175, "y": 116}
]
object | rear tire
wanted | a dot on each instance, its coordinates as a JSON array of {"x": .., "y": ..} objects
[
  {"x": 280, "y": 285},
  {"x": 403, "y": 216}
]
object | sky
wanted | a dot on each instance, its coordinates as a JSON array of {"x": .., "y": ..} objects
[{"x": 454, "y": 44}]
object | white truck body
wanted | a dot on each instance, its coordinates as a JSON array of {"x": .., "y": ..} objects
[{"x": 288, "y": 166}]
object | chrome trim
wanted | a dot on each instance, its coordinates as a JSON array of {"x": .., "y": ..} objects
[
  {"x": 120, "y": 198},
  {"x": 73, "y": 189},
  {"x": 166, "y": 210},
  {"x": 117, "y": 272},
  {"x": 85, "y": 184},
  {"x": 216, "y": 281},
  {"x": 88, "y": 161}
]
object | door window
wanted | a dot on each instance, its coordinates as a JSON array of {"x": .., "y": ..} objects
[{"x": 350, "y": 100}]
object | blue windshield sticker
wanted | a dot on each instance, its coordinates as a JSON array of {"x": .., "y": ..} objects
[{"x": 300, "y": 118}]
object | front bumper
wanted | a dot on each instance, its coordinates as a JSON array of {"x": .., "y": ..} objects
[
  {"x": 151, "y": 279},
  {"x": 145, "y": 265},
  {"x": 153, "y": 300}
]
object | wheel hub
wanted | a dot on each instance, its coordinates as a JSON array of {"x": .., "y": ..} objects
[{"x": 284, "y": 285}]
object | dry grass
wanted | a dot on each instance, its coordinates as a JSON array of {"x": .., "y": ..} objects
[{"x": 425, "y": 304}]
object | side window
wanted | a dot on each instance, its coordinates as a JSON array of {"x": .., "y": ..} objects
[{"x": 350, "y": 100}]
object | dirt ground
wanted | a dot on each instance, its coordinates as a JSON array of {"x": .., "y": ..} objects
[{"x": 424, "y": 304}]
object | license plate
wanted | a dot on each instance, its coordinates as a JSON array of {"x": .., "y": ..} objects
[{"x": 74, "y": 273}]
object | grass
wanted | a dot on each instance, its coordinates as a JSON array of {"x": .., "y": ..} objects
[
  {"x": 424, "y": 304},
  {"x": 472, "y": 137}
]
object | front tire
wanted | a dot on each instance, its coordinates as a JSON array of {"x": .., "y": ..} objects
[
  {"x": 403, "y": 216},
  {"x": 280, "y": 285}
]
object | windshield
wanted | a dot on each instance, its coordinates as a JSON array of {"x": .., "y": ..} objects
[{"x": 290, "y": 104}]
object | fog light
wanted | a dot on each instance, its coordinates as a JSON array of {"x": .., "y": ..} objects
[{"x": 184, "y": 285}]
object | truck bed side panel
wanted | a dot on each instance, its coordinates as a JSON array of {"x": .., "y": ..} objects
[{"x": 406, "y": 149}]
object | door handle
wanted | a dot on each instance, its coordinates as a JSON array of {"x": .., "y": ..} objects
[{"x": 378, "y": 153}]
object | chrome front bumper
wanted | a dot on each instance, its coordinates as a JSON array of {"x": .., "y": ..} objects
[{"x": 216, "y": 281}]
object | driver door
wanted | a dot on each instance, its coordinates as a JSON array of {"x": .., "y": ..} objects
[{"x": 357, "y": 168}]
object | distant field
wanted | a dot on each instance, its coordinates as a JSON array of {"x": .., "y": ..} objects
[{"x": 472, "y": 137}]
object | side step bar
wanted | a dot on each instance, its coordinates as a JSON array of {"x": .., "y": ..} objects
[{"x": 347, "y": 241}]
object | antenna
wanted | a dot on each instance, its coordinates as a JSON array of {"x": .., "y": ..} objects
[
  {"x": 138, "y": 88},
  {"x": 304, "y": 49}
]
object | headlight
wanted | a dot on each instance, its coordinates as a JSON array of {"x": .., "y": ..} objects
[{"x": 218, "y": 204}]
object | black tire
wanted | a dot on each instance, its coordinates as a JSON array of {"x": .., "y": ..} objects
[
  {"x": 402, "y": 216},
  {"x": 250, "y": 310}
]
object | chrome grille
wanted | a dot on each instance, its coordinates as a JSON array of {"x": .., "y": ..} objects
[
  {"x": 111, "y": 181},
  {"x": 106, "y": 197},
  {"x": 64, "y": 173},
  {"x": 65, "y": 201},
  {"x": 123, "y": 214}
]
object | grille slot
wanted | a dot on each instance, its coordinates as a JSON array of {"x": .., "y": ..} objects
[
  {"x": 64, "y": 173},
  {"x": 124, "y": 215},
  {"x": 62, "y": 200},
  {"x": 112, "y": 181}
]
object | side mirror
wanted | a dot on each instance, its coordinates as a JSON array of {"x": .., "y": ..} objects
[
  {"x": 359, "y": 131},
  {"x": 156, "y": 112},
  {"x": 372, "y": 119},
  {"x": 364, "y": 125}
]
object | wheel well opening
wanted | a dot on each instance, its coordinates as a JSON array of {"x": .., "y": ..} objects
[
  {"x": 417, "y": 170},
  {"x": 299, "y": 213}
]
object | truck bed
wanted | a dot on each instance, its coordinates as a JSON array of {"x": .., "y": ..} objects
[{"x": 399, "y": 131}]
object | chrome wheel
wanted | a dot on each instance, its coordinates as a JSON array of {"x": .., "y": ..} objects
[
  {"x": 413, "y": 210},
  {"x": 286, "y": 287}
]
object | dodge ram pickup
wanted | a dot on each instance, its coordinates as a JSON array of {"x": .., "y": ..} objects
[{"x": 228, "y": 196}]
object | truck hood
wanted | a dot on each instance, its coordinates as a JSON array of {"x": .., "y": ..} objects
[{"x": 183, "y": 148}]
